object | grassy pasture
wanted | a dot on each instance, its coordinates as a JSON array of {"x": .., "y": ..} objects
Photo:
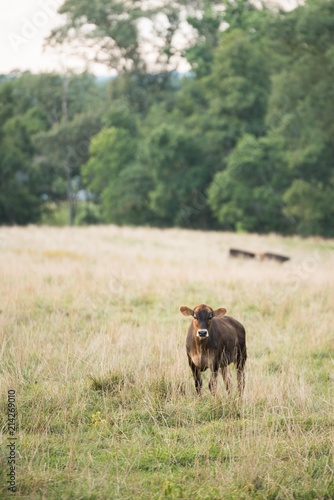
[{"x": 92, "y": 342}]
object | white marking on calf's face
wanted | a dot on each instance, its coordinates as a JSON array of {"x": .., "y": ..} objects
[{"x": 202, "y": 333}]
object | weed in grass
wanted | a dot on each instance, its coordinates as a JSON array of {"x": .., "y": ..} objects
[{"x": 111, "y": 383}]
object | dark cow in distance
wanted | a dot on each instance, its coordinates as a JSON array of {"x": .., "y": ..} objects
[
  {"x": 214, "y": 341},
  {"x": 274, "y": 256},
  {"x": 235, "y": 252}
]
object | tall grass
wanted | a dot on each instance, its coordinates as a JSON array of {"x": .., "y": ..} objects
[{"x": 93, "y": 344}]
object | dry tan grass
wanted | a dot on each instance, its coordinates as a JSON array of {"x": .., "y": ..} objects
[{"x": 101, "y": 304}]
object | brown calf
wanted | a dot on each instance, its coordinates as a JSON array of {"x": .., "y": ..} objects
[{"x": 214, "y": 341}]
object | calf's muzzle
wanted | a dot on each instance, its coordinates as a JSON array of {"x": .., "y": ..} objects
[{"x": 202, "y": 333}]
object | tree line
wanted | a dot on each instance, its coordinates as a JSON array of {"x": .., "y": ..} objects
[{"x": 241, "y": 142}]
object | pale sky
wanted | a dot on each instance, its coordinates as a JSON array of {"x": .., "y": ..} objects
[{"x": 24, "y": 24}]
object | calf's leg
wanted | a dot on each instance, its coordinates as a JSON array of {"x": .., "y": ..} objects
[
  {"x": 227, "y": 378},
  {"x": 197, "y": 376},
  {"x": 241, "y": 381},
  {"x": 240, "y": 365},
  {"x": 213, "y": 382}
]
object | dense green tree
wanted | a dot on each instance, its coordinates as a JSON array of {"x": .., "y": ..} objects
[
  {"x": 20, "y": 201},
  {"x": 19, "y": 183},
  {"x": 113, "y": 174},
  {"x": 300, "y": 113},
  {"x": 176, "y": 161},
  {"x": 136, "y": 93},
  {"x": 218, "y": 109},
  {"x": 239, "y": 86},
  {"x": 110, "y": 151},
  {"x": 206, "y": 21},
  {"x": 247, "y": 195},
  {"x": 125, "y": 198},
  {"x": 45, "y": 127},
  {"x": 310, "y": 205},
  {"x": 46, "y": 93},
  {"x": 60, "y": 153}
]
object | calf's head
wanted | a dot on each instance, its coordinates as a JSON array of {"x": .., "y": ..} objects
[{"x": 202, "y": 315}]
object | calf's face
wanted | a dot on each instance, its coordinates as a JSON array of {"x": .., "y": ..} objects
[{"x": 202, "y": 315}]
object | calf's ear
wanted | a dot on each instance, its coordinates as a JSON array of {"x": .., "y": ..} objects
[
  {"x": 186, "y": 311},
  {"x": 218, "y": 313}
]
